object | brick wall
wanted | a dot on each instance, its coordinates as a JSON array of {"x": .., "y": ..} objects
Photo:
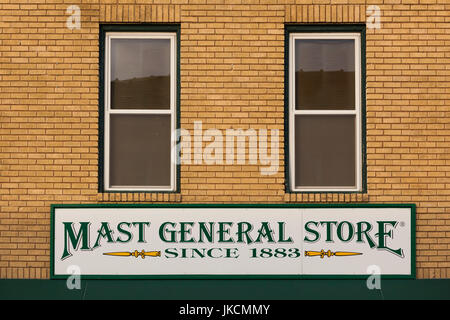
[{"x": 232, "y": 76}]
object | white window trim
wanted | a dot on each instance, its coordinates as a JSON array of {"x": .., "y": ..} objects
[
  {"x": 171, "y": 110},
  {"x": 356, "y": 112}
]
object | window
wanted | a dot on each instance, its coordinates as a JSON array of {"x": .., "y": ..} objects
[
  {"x": 325, "y": 105},
  {"x": 140, "y": 99}
]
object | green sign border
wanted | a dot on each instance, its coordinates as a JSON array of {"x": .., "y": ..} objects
[{"x": 412, "y": 275}]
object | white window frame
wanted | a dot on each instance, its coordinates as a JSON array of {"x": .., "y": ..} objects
[
  {"x": 357, "y": 111},
  {"x": 171, "y": 111}
]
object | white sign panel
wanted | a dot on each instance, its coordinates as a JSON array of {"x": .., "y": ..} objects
[{"x": 301, "y": 241}]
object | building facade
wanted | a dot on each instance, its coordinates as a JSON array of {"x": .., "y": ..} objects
[{"x": 223, "y": 65}]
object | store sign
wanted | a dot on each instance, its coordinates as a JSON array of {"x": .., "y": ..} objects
[{"x": 172, "y": 241}]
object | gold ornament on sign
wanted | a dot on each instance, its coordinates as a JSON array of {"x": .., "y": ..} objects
[
  {"x": 329, "y": 254},
  {"x": 135, "y": 254}
]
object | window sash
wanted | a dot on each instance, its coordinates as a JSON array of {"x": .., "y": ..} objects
[
  {"x": 293, "y": 112},
  {"x": 109, "y": 111}
]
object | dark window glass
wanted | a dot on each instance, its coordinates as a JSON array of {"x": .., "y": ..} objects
[
  {"x": 140, "y": 74},
  {"x": 325, "y": 151},
  {"x": 140, "y": 150},
  {"x": 324, "y": 74}
]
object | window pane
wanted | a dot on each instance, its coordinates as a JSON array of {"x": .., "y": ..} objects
[
  {"x": 324, "y": 74},
  {"x": 140, "y": 74},
  {"x": 325, "y": 151},
  {"x": 140, "y": 150}
]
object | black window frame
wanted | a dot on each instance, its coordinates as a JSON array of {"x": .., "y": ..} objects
[{"x": 103, "y": 30}]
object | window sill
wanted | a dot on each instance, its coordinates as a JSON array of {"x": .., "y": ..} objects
[
  {"x": 324, "y": 197},
  {"x": 138, "y": 197}
]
